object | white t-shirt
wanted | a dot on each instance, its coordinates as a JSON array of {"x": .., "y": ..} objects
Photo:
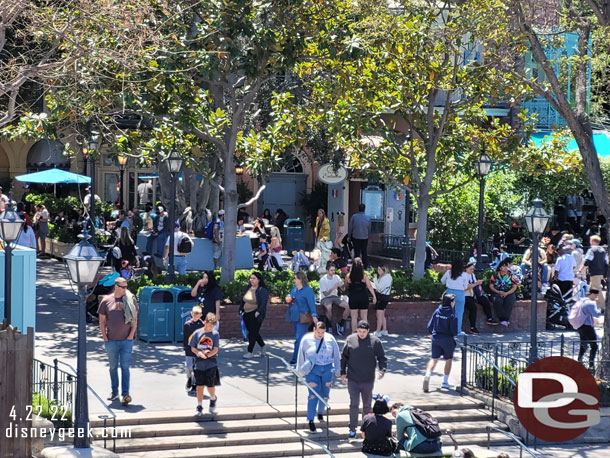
[
  {"x": 326, "y": 284},
  {"x": 177, "y": 237},
  {"x": 383, "y": 284},
  {"x": 460, "y": 283}
]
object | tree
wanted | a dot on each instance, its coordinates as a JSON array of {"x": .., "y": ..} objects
[{"x": 580, "y": 18}]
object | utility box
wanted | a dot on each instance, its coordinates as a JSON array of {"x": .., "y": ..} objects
[{"x": 182, "y": 309}]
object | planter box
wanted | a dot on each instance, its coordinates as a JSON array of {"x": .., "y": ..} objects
[
  {"x": 58, "y": 249},
  {"x": 402, "y": 318}
]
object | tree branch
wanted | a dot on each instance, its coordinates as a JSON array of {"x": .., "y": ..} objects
[
  {"x": 451, "y": 189},
  {"x": 253, "y": 199}
]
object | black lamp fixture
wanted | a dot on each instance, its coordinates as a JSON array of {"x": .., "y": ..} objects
[
  {"x": 536, "y": 220},
  {"x": 483, "y": 166},
  {"x": 83, "y": 263},
  {"x": 11, "y": 225},
  {"x": 174, "y": 164}
]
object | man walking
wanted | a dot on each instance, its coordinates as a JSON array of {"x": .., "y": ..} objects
[
  {"x": 362, "y": 352},
  {"x": 118, "y": 314},
  {"x": 359, "y": 229},
  {"x": 596, "y": 260},
  {"x": 179, "y": 256},
  {"x": 219, "y": 232}
]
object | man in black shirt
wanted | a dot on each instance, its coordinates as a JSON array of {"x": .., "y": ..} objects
[{"x": 336, "y": 259}]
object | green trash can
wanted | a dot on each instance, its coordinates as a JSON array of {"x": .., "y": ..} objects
[
  {"x": 182, "y": 309},
  {"x": 156, "y": 314},
  {"x": 294, "y": 235}
]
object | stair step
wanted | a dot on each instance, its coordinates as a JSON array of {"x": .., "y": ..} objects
[
  {"x": 287, "y": 449},
  {"x": 265, "y": 411},
  {"x": 210, "y": 425}
]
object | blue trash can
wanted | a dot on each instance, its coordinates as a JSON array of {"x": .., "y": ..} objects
[
  {"x": 294, "y": 235},
  {"x": 182, "y": 309},
  {"x": 156, "y": 314}
]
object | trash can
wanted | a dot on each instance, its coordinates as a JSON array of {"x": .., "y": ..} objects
[
  {"x": 182, "y": 309},
  {"x": 156, "y": 314},
  {"x": 294, "y": 235}
]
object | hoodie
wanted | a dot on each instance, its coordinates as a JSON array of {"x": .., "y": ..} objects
[{"x": 443, "y": 323}]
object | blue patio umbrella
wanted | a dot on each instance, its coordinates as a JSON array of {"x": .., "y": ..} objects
[
  {"x": 53, "y": 176},
  {"x": 601, "y": 141}
]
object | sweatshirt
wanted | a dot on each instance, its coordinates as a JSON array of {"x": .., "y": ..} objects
[
  {"x": 443, "y": 323},
  {"x": 596, "y": 260},
  {"x": 360, "y": 356},
  {"x": 189, "y": 328}
]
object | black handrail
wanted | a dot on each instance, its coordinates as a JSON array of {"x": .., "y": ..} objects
[
  {"x": 513, "y": 437},
  {"x": 298, "y": 378},
  {"x": 317, "y": 444}
]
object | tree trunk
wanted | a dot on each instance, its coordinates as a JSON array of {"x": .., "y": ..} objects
[
  {"x": 423, "y": 205},
  {"x": 231, "y": 201}
]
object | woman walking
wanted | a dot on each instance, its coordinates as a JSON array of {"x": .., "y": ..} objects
[
  {"x": 383, "y": 285},
  {"x": 503, "y": 285},
  {"x": 301, "y": 310},
  {"x": 253, "y": 309},
  {"x": 358, "y": 283},
  {"x": 318, "y": 360},
  {"x": 456, "y": 281},
  {"x": 41, "y": 223}
]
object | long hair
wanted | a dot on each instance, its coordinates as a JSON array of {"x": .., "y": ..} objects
[
  {"x": 275, "y": 232},
  {"x": 257, "y": 274},
  {"x": 302, "y": 276},
  {"x": 124, "y": 237},
  {"x": 211, "y": 280},
  {"x": 320, "y": 220},
  {"x": 457, "y": 269},
  {"x": 356, "y": 274}
]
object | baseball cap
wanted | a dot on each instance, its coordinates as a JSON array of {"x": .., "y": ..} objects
[
  {"x": 363, "y": 324},
  {"x": 221, "y": 212},
  {"x": 575, "y": 242},
  {"x": 176, "y": 224}
]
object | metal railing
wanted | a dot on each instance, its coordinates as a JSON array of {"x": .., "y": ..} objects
[
  {"x": 299, "y": 379},
  {"x": 510, "y": 435},
  {"x": 317, "y": 444},
  {"x": 104, "y": 418},
  {"x": 56, "y": 386}
]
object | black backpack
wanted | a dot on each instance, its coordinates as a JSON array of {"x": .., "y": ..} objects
[
  {"x": 426, "y": 423},
  {"x": 185, "y": 245}
]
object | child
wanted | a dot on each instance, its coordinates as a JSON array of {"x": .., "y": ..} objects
[
  {"x": 191, "y": 325},
  {"x": 443, "y": 327},
  {"x": 204, "y": 343}
]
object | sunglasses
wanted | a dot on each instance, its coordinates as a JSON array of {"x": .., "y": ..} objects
[{"x": 122, "y": 286}]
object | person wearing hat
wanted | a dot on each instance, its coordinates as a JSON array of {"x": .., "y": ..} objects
[
  {"x": 219, "y": 233},
  {"x": 362, "y": 353},
  {"x": 179, "y": 257},
  {"x": 503, "y": 284}
]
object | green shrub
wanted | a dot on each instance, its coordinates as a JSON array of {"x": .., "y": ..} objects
[
  {"x": 51, "y": 410},
  {"x": 234, "y": 290},
  {"x": 427, "y": 289},
  {"x": 484, "y": 379},
  {"x": 62, "y": 234}
]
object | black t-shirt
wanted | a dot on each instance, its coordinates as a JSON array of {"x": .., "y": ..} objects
[
  {"x": 376, "y": 428},
  {"x": 207, "y": 299}
]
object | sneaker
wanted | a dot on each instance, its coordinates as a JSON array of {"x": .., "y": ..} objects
[
  {"x": 473, "y": 331},
  {"x": 263, "y": 351},
  {"x": 384, "y": 333},
  {"x": 491, "y": 322},
  {"x": 378, "y": 334},
  {"x": 312, "y": 426},
  {"x": 320, "y": 417},
  {"x": 125, "y": 400},
  {"x": 447, "y": 386},
  {"x": 352, "y": 434},
  {"x": 212, "y": 405},
  {"x": 188, "y": 385},
  {"x": 112, "y": 396},
  {"x": 247, "y": 355},
  {"x": 426, "y": 383},
  {"x": 199, "y": 411},
  {"x": 504, "y": 323}
]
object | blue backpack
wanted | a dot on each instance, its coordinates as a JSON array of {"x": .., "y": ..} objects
[{"x": 208, "y": 232}]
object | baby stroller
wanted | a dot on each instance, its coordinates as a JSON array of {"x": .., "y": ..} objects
[
  {"x": 558, "y": 307},
  {"x": 299, "y": 261}
]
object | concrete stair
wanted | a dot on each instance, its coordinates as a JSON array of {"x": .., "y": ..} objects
[{"x": 265, "y": 431}]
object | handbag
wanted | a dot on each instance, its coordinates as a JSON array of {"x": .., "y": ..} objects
[
  {"x": 305, "y": 318},
  {"x": 308, "y": 363}
]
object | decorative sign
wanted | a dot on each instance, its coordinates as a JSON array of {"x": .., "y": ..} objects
[{"x": 327, "y": 174}]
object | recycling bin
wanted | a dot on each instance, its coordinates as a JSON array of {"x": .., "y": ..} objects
[
  {"x": 294, "y": 235},
  {"x": 156, "y": 314},
  {"x": 182, "y": 309}
]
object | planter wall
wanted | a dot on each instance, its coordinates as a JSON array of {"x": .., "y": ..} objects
[{"x": 402, "y": 318}]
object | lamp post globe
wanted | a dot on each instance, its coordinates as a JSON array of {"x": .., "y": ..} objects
[
  {"x": 174, "y": 163},
  {"x": 483, "y": 165},
  {"x": 10, "y": 225},
  {"x": 83, "y": 263},
  {"x": 536, "y": 220},
  {"x": 93, "y": 141}
]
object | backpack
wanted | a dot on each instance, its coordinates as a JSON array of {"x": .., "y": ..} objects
[
  {"x": 426, "y": 424},
  {"x": 185, "y": 245},
  {"x": 576, "y": 316},
  {"x": 208, "y": 232}
]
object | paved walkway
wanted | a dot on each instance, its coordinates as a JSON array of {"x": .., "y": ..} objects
[{"x": 157, "y": 375}]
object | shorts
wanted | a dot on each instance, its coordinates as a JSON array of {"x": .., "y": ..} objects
[
  {"x": 331, "y": 300},
  {"x": 208, "y": 377},
  {"x": 382, "y": 301},
  {"x": 443, "y": 347},
  {"x": 216, "y": 250}
]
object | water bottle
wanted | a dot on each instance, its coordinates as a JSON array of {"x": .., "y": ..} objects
[{"x": 457, "y": 454}]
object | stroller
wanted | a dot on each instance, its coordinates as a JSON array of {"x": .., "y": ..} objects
[
  {"x": 558, "y": 307},
  {"x": 299, "y": 261}
]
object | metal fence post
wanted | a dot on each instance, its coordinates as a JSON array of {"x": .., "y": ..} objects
[
  {"x": 495, "y": 384},
  {"x": 267, "y": 358},
  {"x": 464, "y": 357},
  {"x": 55, "y": 375},
  {"x": 563, "y": 341}
]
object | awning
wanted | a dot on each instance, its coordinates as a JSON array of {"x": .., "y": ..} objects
[{"x": 601, "y": 140}]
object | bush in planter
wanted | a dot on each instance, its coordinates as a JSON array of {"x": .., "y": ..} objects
[
  {"x": 483, "y": 378},
  {"x": 62, "y": 234},
  {"x": 52, "y": 411}
]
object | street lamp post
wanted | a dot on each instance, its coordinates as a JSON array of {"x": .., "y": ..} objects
[
  {"x": 122, "y": 163},
  {"x": 83, "y": 263},
  {"x": 93, "y": 145},
  {"x": 483, "y": 166},
  {"x": 10, "y": 227},
  {"x": 536, "y": 220},
  {"x": 174, "y": 164}
]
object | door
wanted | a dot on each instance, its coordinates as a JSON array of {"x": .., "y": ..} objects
[{"x": 284, "y": 191}]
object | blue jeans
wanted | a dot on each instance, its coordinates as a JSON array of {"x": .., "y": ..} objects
[
  {"x": 119, "y": 353},
  {"x": 321, "y": 378},
  {"x": 300, "y": 330},
  {"x": 161, "y": 239},
  {"x": 180, "y": 264},
  {"x": 460, "y": 300}
]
